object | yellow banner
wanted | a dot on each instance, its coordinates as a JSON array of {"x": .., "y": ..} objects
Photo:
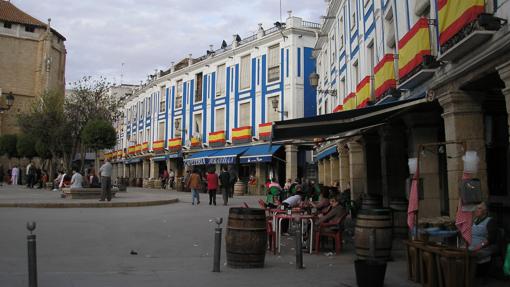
[
  {"x": 158, "y": 145},
  {"x": 384, "y": 75},
  {"x": 265, "y": 130},
  {"x": 145, "y": 146},
  {"x": 195, "y": 141},
  {"x": 218, "y": 136},
  {"x": 131, "y": 149},
  {"x": 241, "y": 133},
  {"x": 174, "y": 143},
  {"x": 138, "y": 148},
  {"x": 349, "y": 102},
  {"x": 455, "y": 15},
  {"x": 412, "y": 47},
  {"x": 363, "y": 92}
]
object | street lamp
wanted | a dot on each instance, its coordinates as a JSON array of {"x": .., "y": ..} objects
[
  {"x": 275, "y": 104},
  {"x": 314, "y": 82},
  {"x": 9, "y": 101}
]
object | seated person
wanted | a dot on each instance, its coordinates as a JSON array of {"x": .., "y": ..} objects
[
  {"x": 58, "y": 180},
  {"x": 93, "y": 180},
  {"x": 76, "y": 180},
  {"x": 65, "y": 181},
  {"x": 484, "y": 233},
  {"x": 323, "y": 202},
  {"x": 274, "y": 183},
  {"x": 335, "y": 213}
]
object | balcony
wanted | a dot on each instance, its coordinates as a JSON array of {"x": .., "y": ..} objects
[{"x": 466, "y": 45}]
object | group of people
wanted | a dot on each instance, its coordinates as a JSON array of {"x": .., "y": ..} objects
[
  {"x": 167, "y": 179},
  {"x": 32, "y": 176},
  {"x": 210, "y": 183}
]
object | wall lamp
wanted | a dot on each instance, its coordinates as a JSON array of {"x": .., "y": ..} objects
[
  {"x": 9, "y": 101},
  {"x": 314, "y": 82},
  {"x": 275, "y": 103}
]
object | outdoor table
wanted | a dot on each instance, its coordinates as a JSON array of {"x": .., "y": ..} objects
[{"x": 278, "y": 217}]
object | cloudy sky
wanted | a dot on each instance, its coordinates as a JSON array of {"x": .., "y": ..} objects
[{"x": 150, "y": 34}]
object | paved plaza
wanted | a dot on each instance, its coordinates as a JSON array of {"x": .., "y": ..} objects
[{"x": 173, "y": 245}]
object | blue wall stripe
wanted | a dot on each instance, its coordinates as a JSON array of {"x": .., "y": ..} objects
[
  {"x": 287, "y": 63},
  {"x": 299, "y": 62},
  {"x": 310, "y": 94},
  {"x": 281, "y": 85},
  {"x": 236, "y": 96},
  {"x": 264, "y": 90},
  {"x": 253, "y": 100},
  {"x": 227, "y": 100}
]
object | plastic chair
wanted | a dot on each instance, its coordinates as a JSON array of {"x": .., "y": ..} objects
[
  {"x": 324, "y": 230},
  {"x": 271, "y": 236}
]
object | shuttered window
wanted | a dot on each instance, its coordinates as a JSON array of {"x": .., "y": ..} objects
[
  {"x": 220, "y": 80},
  {"x": 244, "y": 114},
  {"x": 220, "y": 119},
  {"x": 244, "y": 81},
  {"x": 177, "y": 128},
  {"x": 178, "y": 95},
  {"x": 273, "y": 63},
  {"x": 197, "y": 127},
  {"x": 161, "y": 131}
]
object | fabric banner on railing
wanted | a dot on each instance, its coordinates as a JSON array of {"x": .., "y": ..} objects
[
  {"x": 349, "y": 102},
  {"x": 384, "y": 75},
  {"x": 265, "y": 130},
  {"x": 363, "y": 92},
  {"x": 145, "y": 146},
  {"x": 120, "y": 153},
  {"x": 158, "y": 145},
  {"x": 138, "y": 148},
  {"x": 196, "y": 142},
  {"x": 217, "y": 138},
  {"x": 338, "y": 108},
  {"x": 131, "y": 149},
  {"x": 455, "y": 15},
  {"x": 174, "y": 144},
  {"x": 241, "y": 135},
  {"x": 412, "y": 47}
]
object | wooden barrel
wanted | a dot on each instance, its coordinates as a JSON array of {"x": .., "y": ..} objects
[
  {"x": 379, "y": 223},
  {"x": 399, "y": 209},
  {"x": 246, "y": 237},
  {"x": 371, "y": 202},
  {"x": 240, "y": 188}
]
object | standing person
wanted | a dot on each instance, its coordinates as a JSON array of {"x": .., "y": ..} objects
[
  {"x": 195, "y": 183},
  {"x": 233, "y": 179},
  {"x": 225, "y": 185},
  {"x": 171, "y": 178},
  {"x": 30, "y": 175},
  {"x": 164, "y": 179},
  {"x": 15, "y": 175},
  {"x": 212, "y": 186},
  {"x": 105, "y": 171}
]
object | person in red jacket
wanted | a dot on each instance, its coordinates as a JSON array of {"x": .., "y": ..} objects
[{"x": 212, "y": 186}]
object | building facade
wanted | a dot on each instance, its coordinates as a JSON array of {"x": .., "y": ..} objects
[
  {"x": 451, "y": 57},
  {"x": 32, "y": 61},
  {"x": 222, "y": 103}
]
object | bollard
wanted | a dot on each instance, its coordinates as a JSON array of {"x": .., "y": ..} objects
[
  {"x": 299, "y": 246},
  {"x": 217, "y": 244},
  {"x": 32, "y": 256}
]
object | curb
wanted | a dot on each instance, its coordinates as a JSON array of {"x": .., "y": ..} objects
[{"x": 89, "y": 204}]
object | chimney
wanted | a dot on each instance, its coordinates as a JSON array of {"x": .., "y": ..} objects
[
  {"x": 172, "y": 67},
  {"x": 234, "y": 41},
  {"x": 190, "y": 60}
]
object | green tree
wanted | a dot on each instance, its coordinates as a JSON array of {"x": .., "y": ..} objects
[
  {"x": 26, "y": 146},
  {"x": 99, "y": 134},
  {"x": 8, "y": 145}
]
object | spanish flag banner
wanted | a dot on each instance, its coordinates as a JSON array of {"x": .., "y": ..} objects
[
  {"x": 196, "y": 142},
  {"x": 349, "y": 102},
  {"x": 384, "y": 75},
  {"x": 174, "y": 144},
  {"x": 241, "y": 135},
  {"x": 145, "y": 146},
  {"x": 363, "y": 92},
  {"x": 455, "y": 15},
  {"x": 120, "y": 153},
  {"x": 412, "y": 47},
  {"x": 138, "y": 148},
  {"x": 265, "y": 130},
  {"x": 132, "y": 149},
  {"x": 158, "y": 145},
  {"x": 338, "y": 108},
  {"x": 217, "y": 138}
]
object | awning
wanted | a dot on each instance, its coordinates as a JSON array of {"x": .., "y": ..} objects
[
  {"x": 132, "y": 160},
  {"x": 335, "y": 123},
  {"x": 226, "y": 156},
  {"x": 325, "y": 153},
  {"x": 259, "y": 153},
  {"x": 199, "y": 158},
  {"x": 160, "y": 158}
]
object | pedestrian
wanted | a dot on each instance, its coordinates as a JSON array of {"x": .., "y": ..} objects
[
  {"x": 30, "y": 175},
  {"x": 212, "y": 186},
  {"x": 164, "y": 179},
  {"x": 105, "y": 171},
  {"x": 233, "y": 180},
  {"x": 195, "y": 183},
  {"x": 171, "y": 178},
  {"x": 14, "y": 175},
  {"x": 225, "y": 185}
]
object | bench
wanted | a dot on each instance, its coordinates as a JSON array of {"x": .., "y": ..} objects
[{"x": 85, "y": 192}]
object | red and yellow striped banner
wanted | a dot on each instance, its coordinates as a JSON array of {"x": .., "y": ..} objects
[
  {"x": 363, "y": 92},
  {"x": 158, "y": 145},
  {"x": 349, "y": 102},
  {"x": 132, "y": 149},
  {"x": 145, "y": 146},
  {"x": 455, "y": 15},
  {"x": 384, "y": 75},
  {"x": 265, "y": 130},
  {"x": 196, "y": 142},
  {"x": 217, "y": 137},
  {"x": 120, "y": 153},
  {"x": 174, "y": 144},
  {"x": 138, "y": 148},
  {"x": 241, "y": 134},
  {"x": 412, "y": 47},
  {"x": 338, "y": 108}
]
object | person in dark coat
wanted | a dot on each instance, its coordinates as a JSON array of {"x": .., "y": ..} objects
[{"x": 225, "y": 185}]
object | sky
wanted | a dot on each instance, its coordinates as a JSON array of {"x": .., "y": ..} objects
[{"x": 133, "y": 38}]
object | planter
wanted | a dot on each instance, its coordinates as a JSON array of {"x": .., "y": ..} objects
[{"x": 370, "y": 273}]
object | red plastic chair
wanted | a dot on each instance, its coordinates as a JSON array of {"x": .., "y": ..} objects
[
  {"x": 271, "y": 235},
  {"x": 324, "y": 231}
]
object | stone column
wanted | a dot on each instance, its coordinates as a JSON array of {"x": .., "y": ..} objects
[
  {"x": 146, "y": 168},
  {"x": 327, "y": 171},
  {"x": 393, "y": 162},
  {"x": 320, "y": 176},
  {"x": 138, "y": 170},
  {"x": 291, "y": 158},
  {"x": 463, "y": 121},
  {"x": 335, "y": 169},
  {"x": 343, "y": 167},
  {"x": 154, "y": 171},
  {"x": 356, "y": 169},
  {"x": 260, "y": 170}
]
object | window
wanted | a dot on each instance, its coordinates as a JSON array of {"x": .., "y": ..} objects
[
  {"x": 220, "y": 80},
  {"x": 341, "y": 33},
  {"x": 332, "y": 47},
  {"x": 353, "y": 14},
  {"x": 342, "y": 89},
  {"x": 178, "y": 95},
  {"x": 161, "y": 131},
  {"x": 177, "y": 128},
  {"x": 7, "y": 25},
  {"x": 197, "y": 126},
  {"x": 140, "y": 137},
  {"x": 220, "y": 119},
  {"x": 198, "y": 89},
  {"x": 272, "y": 115},
  {"x": 273, "y": 63},
  {"x": 370, "y": 58},
  {"x": 148, "y": 104},
  {"x": 142, "y": 109},
  {"x": 320, "y": 111},
  {"x": 244, "y": 114},
  {"x": 326, "y": 106},
  {"x": 147, "y": 135},
  {"x": 244, "y": 81},
  {"x": 162, "y": 101},
  {"x": 29, "y": 28}
]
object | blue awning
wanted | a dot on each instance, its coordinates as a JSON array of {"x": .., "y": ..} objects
[
  {"x": 199, "y": 158},
  {"x": 259, "y": 153},
  {"x": 226, "y": 156},
  {"x": 133, "y": 160},
  {"x": 325, "y": 153}
]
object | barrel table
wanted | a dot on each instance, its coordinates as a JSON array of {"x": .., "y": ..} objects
[
  {"x": 239, "y": 188},
  {"x": 379, "y": 223},
  {"x": 370, "y": 201},
  {"x": 246, "y": 237},
  {"x": 399, "y": 211}
]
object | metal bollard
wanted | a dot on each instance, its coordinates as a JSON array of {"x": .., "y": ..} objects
[
  {"x": 299, "y": 246},
  {"x": 217, "y": 244},
  {"x": 32, "y": 256}
]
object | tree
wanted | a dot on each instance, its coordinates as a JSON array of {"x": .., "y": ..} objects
[
  {"x": 26, "y": 146},
  {"x": 99, "y": 134},
  {"x": 8, "y": 145}
]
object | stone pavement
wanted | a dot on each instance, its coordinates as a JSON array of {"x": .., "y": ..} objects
[{"x": 173, "y": 245}]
